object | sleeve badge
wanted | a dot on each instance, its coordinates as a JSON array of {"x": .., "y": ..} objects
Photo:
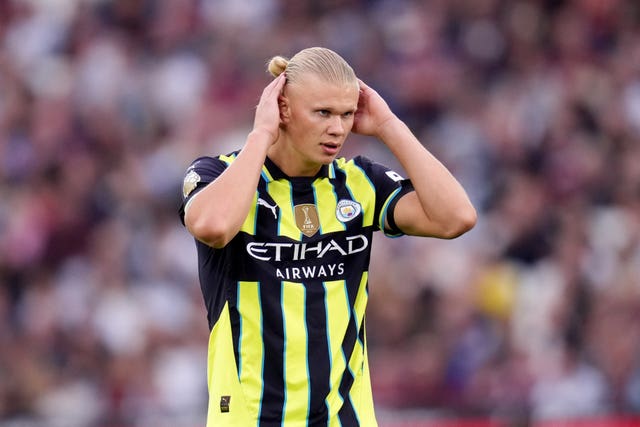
[{"x": 190, "y": 182}]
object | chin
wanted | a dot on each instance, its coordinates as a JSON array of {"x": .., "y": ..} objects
[{"x": 328, "y": 159}]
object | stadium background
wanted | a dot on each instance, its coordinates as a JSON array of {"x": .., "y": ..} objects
[{"x": 532, "y": 318}]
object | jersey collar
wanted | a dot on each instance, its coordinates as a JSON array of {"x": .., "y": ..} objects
[{"x": 271, "y": 172}]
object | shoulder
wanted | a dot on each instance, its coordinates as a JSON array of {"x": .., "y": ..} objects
[
  {"x": 203, "y": 170},
  {"x": 206, "y": 162},
  {"x": 358, "y": 163},
  {"x": 371, "y": 168},
  {"x": 210, "y": 167}
]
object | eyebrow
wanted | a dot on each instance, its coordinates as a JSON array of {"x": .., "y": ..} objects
[{"x": 335, "y": 110}]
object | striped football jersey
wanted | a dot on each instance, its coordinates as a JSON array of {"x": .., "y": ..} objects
[{"x": 286, "y": 297}]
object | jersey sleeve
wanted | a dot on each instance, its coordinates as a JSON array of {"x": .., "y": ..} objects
[
  {"x": 390, "y": 186},
  {"x": 199, "y": 174}
]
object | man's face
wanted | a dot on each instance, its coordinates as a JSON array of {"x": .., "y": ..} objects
[{"x": 319, "y": 116}]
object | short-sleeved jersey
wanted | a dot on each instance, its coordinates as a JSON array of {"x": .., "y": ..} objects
[{"x": 286, "y": 297}]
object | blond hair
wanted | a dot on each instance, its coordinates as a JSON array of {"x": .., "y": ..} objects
[{"x": 320, "y": 61}]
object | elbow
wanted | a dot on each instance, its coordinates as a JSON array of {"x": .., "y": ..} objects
[
  {"x": 463, "y": 221},
  {"x": 212, "y": 232}
]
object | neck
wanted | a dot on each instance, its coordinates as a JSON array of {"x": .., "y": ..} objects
[{"x": 290, "y": 161}]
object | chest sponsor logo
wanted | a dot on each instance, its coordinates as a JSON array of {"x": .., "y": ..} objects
[
  {"x": 346, "y": 210},
  {"x": 316, "y": 260},
  {"x": 273, "y": 251},
  {"x": 307, "y": 219}
]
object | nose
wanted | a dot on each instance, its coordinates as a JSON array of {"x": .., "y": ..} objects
[{"x": 336, "y": 126}]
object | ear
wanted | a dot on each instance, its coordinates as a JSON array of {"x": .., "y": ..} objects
[{"x": 285, "y": 111}]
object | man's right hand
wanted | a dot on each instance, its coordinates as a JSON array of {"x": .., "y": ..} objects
[{"x": 267, "y": 118}]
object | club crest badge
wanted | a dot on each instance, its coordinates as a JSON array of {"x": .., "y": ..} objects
[
  {"x": 346, "y": 210},
  {"x": 190, "y": 182},
  {"x": 307, "y": 219}
]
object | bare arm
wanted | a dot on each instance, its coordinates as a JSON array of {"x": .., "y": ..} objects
[
  {"x": 439, "y": 207},
  {"x": 216, "y": 214}
]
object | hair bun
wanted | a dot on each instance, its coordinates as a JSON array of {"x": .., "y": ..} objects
[{"x": 277, "y": 65}]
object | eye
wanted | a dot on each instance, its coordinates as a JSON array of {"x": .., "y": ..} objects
[
  {"x": 324, "y": 113},
  {"x": 347, "y": 114}
]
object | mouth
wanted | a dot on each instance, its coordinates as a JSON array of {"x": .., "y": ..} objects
[{"x": 330, "y": 148}]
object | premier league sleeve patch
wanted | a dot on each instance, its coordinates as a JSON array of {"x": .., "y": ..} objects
[
  {"x": 190, "y": 182},
  {"x": 346, "y": 210}
]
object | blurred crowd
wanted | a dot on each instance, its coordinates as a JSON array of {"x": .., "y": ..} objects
[{"x": 533, "y": 104}]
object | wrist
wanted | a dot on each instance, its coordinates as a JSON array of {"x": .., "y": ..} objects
[
  {"x": 258, "y": 135},
  {"x": 391, "y": 129}
]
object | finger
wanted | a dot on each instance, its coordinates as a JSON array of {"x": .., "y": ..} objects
[
  {"x": 280, "y": 82},
  {"x": 271, "y": 92},
  {"x": 276, "y": 85}
]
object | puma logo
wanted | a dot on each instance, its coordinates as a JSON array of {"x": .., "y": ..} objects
[{"x": 261, "y": 202}]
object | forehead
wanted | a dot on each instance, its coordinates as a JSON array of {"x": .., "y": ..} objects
[{"x": 316, "y": 91}]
